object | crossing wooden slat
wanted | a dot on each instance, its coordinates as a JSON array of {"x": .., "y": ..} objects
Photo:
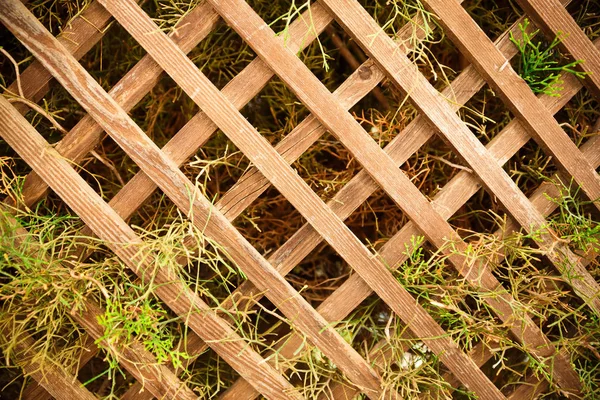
[
  {"x": 190, "y": 200},
  {"x": 259, "y": 151},
  {"x": 456, "y": 193},
  {"x": 55, "y": 380},
  {"x": 444, "y": 202},
  {"x": 318, "y": 100},
  {"x": 517, "y": 96},
  {"x": 440, "y": 114},
  {"x": 158, "y": 379},
  {"x": 555, "y": 21},
  {"x": 120, "y": 238},
  {"x": 87, "y": 133},
  {"x": 78, "y": 38}
]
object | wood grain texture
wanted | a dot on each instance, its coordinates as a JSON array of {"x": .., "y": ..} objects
[
  {"x": 436, "y": 229},
  {"x": 121, "y": 239},
  {"x": 440, "y": 114},
  {"x": 261, "y": 178},
  {"x": 260, "y": 152},
  {"x": 130, "y": 89},
  {"x": 191, "y": 201},
  {"x": 78, "y": 37},
  {"x": 456, "y": 193},
  {"x": 157, "y": 378},
  {"x": 60, "y": 384},
  {"x": 517, "y": 96},
  {"x": 555, "y": 21}
]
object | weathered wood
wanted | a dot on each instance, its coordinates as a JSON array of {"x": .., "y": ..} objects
[
  {"x": 260, "y": 152},
  {"x": 35, "y": 391},
  {"x": 130, "y": 89},
  {"x": 517, "y": 96},
  {"x": 321, "y": 226},
  {"x": 456, "y": 193},
  {"x": 555, "y": 21},
  {"x": 439, "y": 113},
  {"x": 59, "y": 383},
  {"x": 192, "y": 202},
  {"x": 120, "y": 238},
  {"x": 78, "y": 38},
  {"x": 381, "y": 167}
]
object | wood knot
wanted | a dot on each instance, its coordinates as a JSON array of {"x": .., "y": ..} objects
[{"x": 364, "y": 72}]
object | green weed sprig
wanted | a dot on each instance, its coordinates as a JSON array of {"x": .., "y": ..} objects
[{"x": 540, "y": 63}]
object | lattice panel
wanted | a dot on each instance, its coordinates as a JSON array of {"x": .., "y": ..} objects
[{"x": 160, "y": 169}]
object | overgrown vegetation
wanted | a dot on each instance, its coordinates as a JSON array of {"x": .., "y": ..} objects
[{"x": 48, "y": 275}]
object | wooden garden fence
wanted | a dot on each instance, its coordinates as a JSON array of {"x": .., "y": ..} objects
[{"x": 56, "y": 58}]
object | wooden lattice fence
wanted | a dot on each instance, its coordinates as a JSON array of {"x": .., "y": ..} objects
[{"x": 56, "y": 58}]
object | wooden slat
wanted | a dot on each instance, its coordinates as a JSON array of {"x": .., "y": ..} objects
[
  {"x": 382, "y": 168},
  {"x": 127, "y": 92},
  {"x": 555, "y": 21},
  {"x": 441, "y": 115},
  {"x": 259, "y": 151},
  {"x": 517, "y": 96},
  {"x": 54, "y": 379},
  {"x": 157, "y": 378},
  {"x": 252, "y": 184},
  {"x": 455, "y": 194},
  {"x": 120, "y": 238},
  {"x": 480, "y": 353},
  {"x": 35, "y": 391},
  {"x": 78, "y": 38},
  {"x": 190, "y": 200}
]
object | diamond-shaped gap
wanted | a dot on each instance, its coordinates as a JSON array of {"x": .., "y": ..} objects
[
  {"x": 376, "y": 220},
  {"x": 222, "y": 55},
  {"x": 164, "y": 111},
  {"x": 275, "y": 111},
  {"x": 209, "y": 375},
  {"x": 217, "y": 167},
  {"x": 479, "y": 215},
  {"x": 587, "y": 16},
  {"x": 529, "y": 167},
  {"x": 95, "y": 376},
  {"x": 579, "y": 116},
  {"x": 320, "y": 273},
  {"x": 113, "y": 56},
  {"x": 493, "y": 17},
  {"x": 485, "y": 114},
  {"x": 269, "y": 221}
]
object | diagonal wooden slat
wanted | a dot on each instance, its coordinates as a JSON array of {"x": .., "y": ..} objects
[
  {"x": 158, "y": 379},
  {"x": 555, "y": 21},
  {"x": 54, "y": 379},
  {"x": 316, "y": 97},
  {"x": 118, "y": 236},
  {"x": 517, "y": 96},
  {"x": 440, "y": 114},
  {"x": 78, "y": 38},
  {"x": 191, "y": 201},
  {"x": 127, "y": 92},
  {"x": 259, "y": 151},
  {"x": 352, "y": 292}
]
